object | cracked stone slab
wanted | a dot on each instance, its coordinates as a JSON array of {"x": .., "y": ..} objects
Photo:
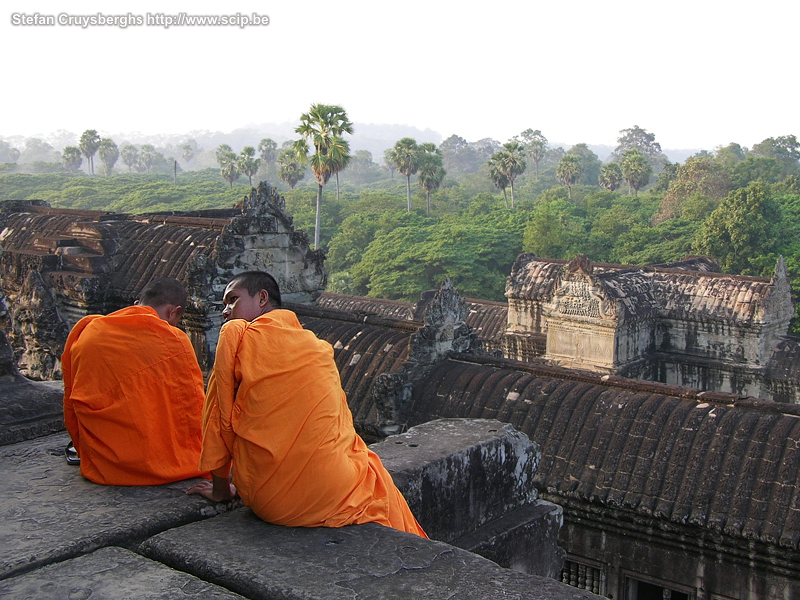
[
  {"x": 49, "y": 513},
  {"x": 459, "y": 474},
  {"x": 110, "y": 574},
  {"x": 358, "y": 562}
]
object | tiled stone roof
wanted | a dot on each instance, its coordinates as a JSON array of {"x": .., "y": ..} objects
[
  {"x": 712, "y": 460},
  {"x": 671, "y": 291},
  {"x": 488, "y": 319}
]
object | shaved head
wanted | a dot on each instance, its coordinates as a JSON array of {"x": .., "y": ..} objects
[
  {"x": 255, "y": 281},
  {"x": 164, "y": 291}
]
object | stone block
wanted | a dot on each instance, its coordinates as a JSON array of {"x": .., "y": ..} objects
[
  {"x": 459, "y": 474},
  {"x": 525, "y": 540},
  {"x": 49, "y": 513},
  {"x": 262, "y": 561},
  {"x": 28, "y": 409},
  {"x": 110, "y": 574}
]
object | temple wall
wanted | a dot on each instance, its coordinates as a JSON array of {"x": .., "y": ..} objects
[
  {"x": 688, "y": 562},
  {"x": 715, "y": 340},
  {"x": 525, "y": 316},
  {"x": 579, "y": 345},
  {"x": 633, "y": 342}
]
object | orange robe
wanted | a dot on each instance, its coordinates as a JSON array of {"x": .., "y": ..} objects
[
  {"x": 275, "y": 405},
  {"x": 133, "y": 398}
]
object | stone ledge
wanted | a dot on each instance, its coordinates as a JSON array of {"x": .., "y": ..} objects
[
  {"x": 459, "y": 474},
  {"x": 358, "y": 562},
  {"x": 525, "y": 540},
  {"x": 49, "y": 513},
  {"x": 110, "y": 574}
]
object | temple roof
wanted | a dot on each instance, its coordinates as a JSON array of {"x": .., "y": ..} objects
[
  {"x": 712, "y": 460},
  {"x": 669, "y": 291},
  {"x": 130, "y": 249},
  {"x": 488, "y": 319}
]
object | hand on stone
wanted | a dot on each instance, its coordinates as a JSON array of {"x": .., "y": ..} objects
[{"x": 212, "y": 492}]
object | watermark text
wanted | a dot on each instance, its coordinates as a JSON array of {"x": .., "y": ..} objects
[{"x": 124, "y": 21}]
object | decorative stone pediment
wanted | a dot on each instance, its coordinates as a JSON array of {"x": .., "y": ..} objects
[{"x": 578, "y": 294}]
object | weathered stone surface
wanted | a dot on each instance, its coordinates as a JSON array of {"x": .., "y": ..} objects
[
  {"x": 48, "y": 512},
  {"x": 459, "y": 474},
  {"x": 263, "y": 561},
  {"x": 524, "y": 540},
  {"x": 110, "y": 574},
  {"x": 27, "y": 409}
]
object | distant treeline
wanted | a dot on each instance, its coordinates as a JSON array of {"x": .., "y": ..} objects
[{"x": 739, "y": 205}]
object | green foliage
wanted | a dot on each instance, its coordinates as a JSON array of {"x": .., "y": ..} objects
[
  {"x": 636, "y": 138},
  {"x": 588, "y": 164},
  {"x": 410, "y": 254},
  {"x": 756, "y": 168},
  {"x": 134, "y": 193},
  {"x": 743, "y": 229}
]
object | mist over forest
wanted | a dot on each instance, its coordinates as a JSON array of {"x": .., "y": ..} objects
[{"x": 374, "y": 138}]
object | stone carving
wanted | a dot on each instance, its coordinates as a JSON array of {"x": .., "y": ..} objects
[
  {"x": 261, "y": 200},
  {"x": 444, "y": 331}
]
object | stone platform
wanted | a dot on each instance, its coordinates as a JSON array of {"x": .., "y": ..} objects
[{"x": 64, "y": 537}]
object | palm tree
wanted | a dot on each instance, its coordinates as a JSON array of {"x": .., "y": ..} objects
[
  {"x": 221, "y": 152},
  {"x": 340, "y": 163},
  {"x": 431, "y": 172},
  {"x": 323, "y": 126},
  {"x": 610, "y": 176},
  {"x": 536, "y": 146},
  {"x": 228, "y": 166},
  {"x": 636, "y": 170},
  {"x": 247, "y": 163},
  {"x": 268, "y": 151},
  {"x": 72, "y": 158},
  {"x": 568, "y": 172},
  {"x": 147, "y": 157},
  {"x": 187, "y": 151},
  {"x": 130, "y": 156},
  {"x": 497, "y": 175},
  {"x": 405, "y": 156},
  {"x": 387, "y": 161},
  {"x": 109, "y": 153},
  {"x": 89, "y": 143},
  {"x": 511, "y": 162},
  {"x": 289, "y": 169}
]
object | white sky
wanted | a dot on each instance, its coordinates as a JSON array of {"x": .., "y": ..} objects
[{"x": 697, "y": 73}]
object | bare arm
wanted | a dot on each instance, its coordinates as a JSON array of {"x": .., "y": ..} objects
[{"x": 219, "y": 489}]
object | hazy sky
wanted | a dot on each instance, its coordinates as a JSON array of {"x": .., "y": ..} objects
[{"x": 697, "y": 73}]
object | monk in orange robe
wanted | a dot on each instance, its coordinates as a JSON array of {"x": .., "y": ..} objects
[
  {"x": 133, "y": 392},
  {"x": 276, "y": 410}
]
